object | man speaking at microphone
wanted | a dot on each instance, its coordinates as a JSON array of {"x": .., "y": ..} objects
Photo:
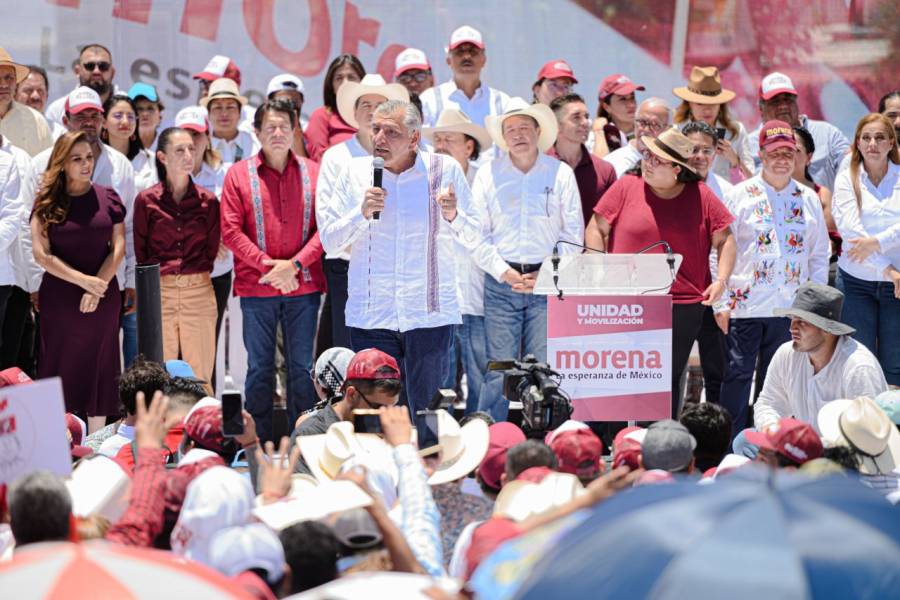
[{"x": 402, "y": 280}]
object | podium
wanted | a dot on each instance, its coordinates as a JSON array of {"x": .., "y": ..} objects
[{"x": 609, "y": 333}]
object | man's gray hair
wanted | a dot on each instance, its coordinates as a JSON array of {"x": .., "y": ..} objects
[
  {"x": 412, "y": 119},
  {"x": 39, "y": 508},
  {"x": 654, "y": 102}
]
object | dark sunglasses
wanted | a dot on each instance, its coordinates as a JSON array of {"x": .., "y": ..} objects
[{"x": 103, "y": 66}]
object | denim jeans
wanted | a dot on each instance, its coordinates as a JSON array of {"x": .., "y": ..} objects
[
  {"x": 129, "y": 338},
  {"x": 871, "y": 308},
  {"x": 423, "y": 356},
  {"x": 298, "y": 316},
  {"x": 474, "y": 356},
  {"x": 747, "y": 340},
  {"x": 515, "y": 325},
  {"x": 449, "y": 381}
]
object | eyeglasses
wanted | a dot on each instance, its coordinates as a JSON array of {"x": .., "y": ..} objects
[
  {"x": 91, "y": 66},
  {"x": 650, "y": 125},
  {"x": 418, "y": 77},
  {"x": 653, "y": 160}
]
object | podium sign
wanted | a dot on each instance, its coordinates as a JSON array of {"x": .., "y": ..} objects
[{"x": 614, "y": 354}]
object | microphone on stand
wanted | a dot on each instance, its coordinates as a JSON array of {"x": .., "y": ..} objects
[
  {"x": 377, "y": 175},
  {"x": 555, "y": 261}
]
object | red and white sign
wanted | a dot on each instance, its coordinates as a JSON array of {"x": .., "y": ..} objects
[{"x": 614, "y": 354}]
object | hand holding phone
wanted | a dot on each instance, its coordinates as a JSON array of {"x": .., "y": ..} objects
[{"x": 232, "y": 417}]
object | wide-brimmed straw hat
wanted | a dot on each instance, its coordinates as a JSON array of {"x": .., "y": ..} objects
[
  {"x": 462, "y": 448},
  {"x": 351, "y": 91},
  {"x": 223, "y": 89},
  {"x": 704, "y": 87},
  {"x": 864, "y": 427},
  {"x": 453, "y": 120},
  {"x": 324, "y": 454},
  {"x": 517, "y": 106},
  {"x": 519, "y": 499},
  {"x": 6, "y": 61},
  {"x": 671, "y": 145}
]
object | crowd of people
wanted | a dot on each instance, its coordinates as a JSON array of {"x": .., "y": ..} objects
[{"x": 387, "y": 248}]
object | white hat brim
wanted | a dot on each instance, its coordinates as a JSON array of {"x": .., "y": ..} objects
[
  {"x": 352, "y": 91},
  {"x": 475, "y": 442},
  {"x": 828, "y": 421},
  {"x": 541, "y": 113},
  {"x": 312, "y": 448}
]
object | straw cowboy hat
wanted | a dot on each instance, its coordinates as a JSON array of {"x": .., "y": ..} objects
[
  {"x": 671, "y": 145},
  {"x": 704, "y": 87},
  {"x": 7, "y": 61},
  {"x": 223, "y": 88},
  {"x": 453, "y": 120},
  {"x": 863, "y": 426},
  {"x": 462, "y": 448},
  {"x": 351, "y": 91},
  {"x": 517, "y": 106},
  {"x": 324, "y": 454},
  {"x": 519, "y": 500}
]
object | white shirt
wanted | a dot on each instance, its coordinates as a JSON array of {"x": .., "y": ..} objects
[
  {"x": 469, "y": 276},
  {"x": 782, "y": 242},
  {"x": 333, "y": 162},
  {"x": 243, "y": 145},
  {"x": 880, "y": 218},
  {"x": 144, "y": 165},
  {"x": 525, "y": 214},
  {"x": 486, "y": 101},
  {"x": 623, "y": 159},
  {"x": 124, "y": 435},
  {"x": 55, "y": 112},
  {"x": 25, "y": 270},
  {"x": 112, "y": 169},
  {"x": 402, "y": 273},
  {"x": 211, "y": 179},
  {"x": 719, "y": 185},
  {"x": 11, "y": 219},
  {"x": 792, "y": 389}
]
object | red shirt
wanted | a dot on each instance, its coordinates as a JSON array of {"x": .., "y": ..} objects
[
  {"x": 143, "y": 519},
  {"x": 638, "y": 217},
  {"x": 183, "y": 237},
  {"x": 324, "y": 130},
  {"x": 594, "y": 176},
  {"x": 283, "y": 214}
]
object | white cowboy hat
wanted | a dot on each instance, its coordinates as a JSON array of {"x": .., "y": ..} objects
[
  {"x": 324, "y": 454},
  {"x": 456, "y": 121},
  {"x": 861, "y": 424},
  {"x": 520, "y": 500},
  {"x": 352, "y": 91},
  {"x": 315, "y": 503},
  {"x": 541, "y": 113},
  {"x": 462, "y": 448}
]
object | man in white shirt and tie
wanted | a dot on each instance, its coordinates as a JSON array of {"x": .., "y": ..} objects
[
  {"x": 528, "y": 202},
  {"x": 402, "y": 277}
]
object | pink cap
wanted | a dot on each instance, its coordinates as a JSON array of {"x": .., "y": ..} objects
[
  {"x": 409, "y": 59},
  {"x": 81, "y": 99},
  {"x": 776, "y": 134},
  {"x": 464, "y": 35},
  {"x": 774, "y": 84},
  {"x": 13, "y": 376},
  {"x": 556, "y": 68},
  {"x": 617, "y": 84},
  {"x": 502, "y": 436},
  {"x": 220, "y": 66}
]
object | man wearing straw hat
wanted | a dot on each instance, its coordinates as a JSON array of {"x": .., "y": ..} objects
[
  {"x": 21, "y": 125},
  {"x": 528, "y": 202},
  {"x": 455, "y": 135}
]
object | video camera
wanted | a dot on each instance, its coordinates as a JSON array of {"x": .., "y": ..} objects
[{"x": 544, "y": 406}]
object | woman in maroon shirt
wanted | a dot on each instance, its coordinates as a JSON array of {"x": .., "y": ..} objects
[
  {"x": 326, "y": 127},
  {"x": 176, "y": 224},
  {"x": 665, "y": 200}
]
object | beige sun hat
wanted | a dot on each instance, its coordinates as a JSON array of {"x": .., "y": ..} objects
[
  {"x": 704, "y": 87},
  {"x": 351, "y": 91},
  {"x": 671, "y": 145},
  {"x": 324, "y": 454},
  {"x": 223, "y": 89},
  {"x": 453, "y": 120},
  {"x": 863, "y": 426},
  {"x": 520, "y": 500},
  {"x": 517, "y": 106},
  {"x": 462, "y": 448},
  {"x": 6, "y": 61}
]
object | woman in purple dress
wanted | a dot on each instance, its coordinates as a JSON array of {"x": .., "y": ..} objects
[{"x": 79, "y": 239}]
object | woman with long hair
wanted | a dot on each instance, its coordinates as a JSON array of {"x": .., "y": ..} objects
[
  {"x": 704, "y": 99},
  {"x": 78, "y": 234},
  {"x": 120, "y": 132},
  {"x": 176, "y": 224},
  {"x": 326, "y": 127},
  {"x": 866, "y": 207},
  {"x": 617, "y": 105}
]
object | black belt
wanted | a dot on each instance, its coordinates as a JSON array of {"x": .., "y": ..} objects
[{"x": 524, "y": 268}]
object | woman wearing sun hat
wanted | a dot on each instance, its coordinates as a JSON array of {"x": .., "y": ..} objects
[
  {"x": 667, "y": 202},
  {"x": 704, "y": 99}
]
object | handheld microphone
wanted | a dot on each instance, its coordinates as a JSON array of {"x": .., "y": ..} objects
[{"x": 377, "y": 174}]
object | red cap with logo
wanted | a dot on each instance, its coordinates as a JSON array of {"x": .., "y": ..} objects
[
  {"x": 204, "y": 427},
  {"x": 617, "y": 84},
  {"x": 366, "y": 363},
  {"x": 578, "y": 452},
  {"x": 220, "y": 66},
  {"x": 774, "y": 84},
  {"x": 501, "y": 437},
  {"x": 776, "y": 134},
  {"x": 795, "y": 440},
  {"x": 13, "y": 376},
  {"x": 556, "y": 68},
  {"x": 81, "y": 99},
  {"x": 466, "y": 35}
]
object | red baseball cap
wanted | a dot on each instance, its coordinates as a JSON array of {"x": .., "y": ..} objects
[
  {"x": 501, "y": 437},
  {"x": 617, "y": 84},
  {"x": 81, "y": 99},
  {"x": 776, "y": 134},
  {"x": 621, "y": 436},
  {"x": 556, "y": 68},
  {"x": 410, "y": 59},
  {"x": 578, "y": 452},
  {"x": 365, "y": 365},
  {"x": 628, "y": 454},
  {"x": 774, "y": 84},
  {"x": 795, "y": 440},
  {"x": 486, "y": 538},
  {"x": 13, "y": 376},
  {"x": 220, "y": 66},
  {"x": 204, "y": 427}
]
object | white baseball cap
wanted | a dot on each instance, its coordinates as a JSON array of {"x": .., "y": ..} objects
[
  {"x": 83, "y": 98},
  {"x": 284, "y": 82},
  {"x": 411, "y": 58},
  {"x": 774, "y": 84},
  {"x": 466, "y": 34},
  {"x": 255, "y": 546},
  {"x": 192, "y": 117}
]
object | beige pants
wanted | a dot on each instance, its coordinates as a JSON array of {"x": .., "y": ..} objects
[{"x": 189, "y": 321}]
